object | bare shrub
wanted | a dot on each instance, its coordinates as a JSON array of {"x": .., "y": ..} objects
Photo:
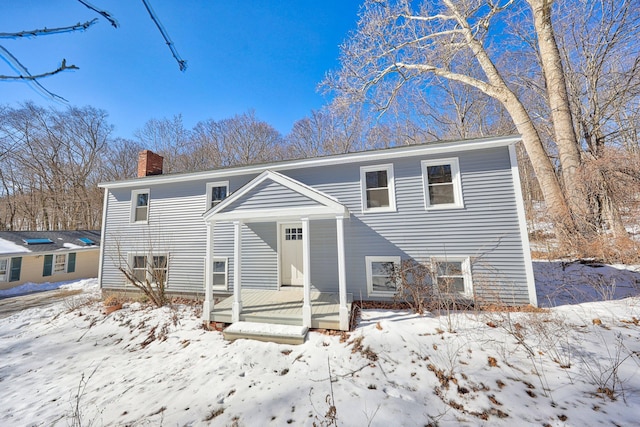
[
  {"x": 414, "y": 285},
  {"x": 431, "y": 286},
  {"x": 603, "y": 369},
  {"x": 146, "y": 271}
]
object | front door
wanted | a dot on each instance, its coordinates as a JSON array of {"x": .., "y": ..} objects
[{"x": 291, "y": 273}]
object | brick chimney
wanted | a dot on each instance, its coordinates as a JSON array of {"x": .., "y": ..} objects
[{"x": 149, "y": 163}]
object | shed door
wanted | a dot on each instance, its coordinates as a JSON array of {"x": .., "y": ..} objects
[{"x": 291, "y": 254}]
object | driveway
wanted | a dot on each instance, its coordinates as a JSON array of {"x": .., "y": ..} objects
[{"x": 11, "y": 305}]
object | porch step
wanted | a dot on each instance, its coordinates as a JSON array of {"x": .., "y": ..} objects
[{"x": 268, "y": 332}]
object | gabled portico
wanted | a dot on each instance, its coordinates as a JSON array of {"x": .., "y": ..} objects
[{"x": 275, "y": 198}]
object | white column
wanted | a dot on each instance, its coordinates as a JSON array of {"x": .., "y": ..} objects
[
  {"x": 342, "y": 275},
  {"x": 208, "y": 297},
  {"x": 306, "y": 271},
  {"x": 237, "y": 275}
]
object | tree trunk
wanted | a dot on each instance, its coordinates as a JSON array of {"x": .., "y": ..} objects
[{"x": 558, "y": 96}]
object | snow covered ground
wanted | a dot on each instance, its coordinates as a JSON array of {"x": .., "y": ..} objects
[{"x": 577, "y": 364}]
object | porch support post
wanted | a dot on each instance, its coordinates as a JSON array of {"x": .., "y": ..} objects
[
  {"x": 208, "y": 297},
  {"x": 237, "y": 274},
  {"x": 306, "y": 263},
  {"x": 342, "y": 275}
]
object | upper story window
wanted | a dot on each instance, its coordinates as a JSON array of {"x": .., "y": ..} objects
[
  {"x": 377, "y": 187},
  {"x": 216, "y": 193},
  {"x": 140, "y": 206},
  {"x": 453, "y": 275},
  {"x": 442, "y": 189}
]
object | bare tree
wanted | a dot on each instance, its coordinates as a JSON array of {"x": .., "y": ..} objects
[
  {"x": 169, "y": 138},
  {"x": 22, "y": 72},
  {"x": 400, "y": 44},
  {"x": 49, "y": 180},
  {"x": 327, "y": 131}
]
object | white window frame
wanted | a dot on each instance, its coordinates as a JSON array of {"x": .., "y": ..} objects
[
  {"x": 369, "y": 260},
  {"x": 134, "y": 201},
  {"x": 54, "y": 263},
  {"x": 466, "y": 272},
  {"x": 455, "y": 178},
  {"x": 210, "y": 187},
  {"x": 388, "y": 167},
  {"x": 226, "y": 273},
  {"x": 148, "y": 274},
  {"x": 5, "y": 277}
]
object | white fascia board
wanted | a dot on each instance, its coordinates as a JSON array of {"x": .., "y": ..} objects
[
  {"x": 435, "y": 148},
  {"x": 282, "y": 214}
]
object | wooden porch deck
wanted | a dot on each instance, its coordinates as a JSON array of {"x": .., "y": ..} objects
[{"x": 283, "y": 307}]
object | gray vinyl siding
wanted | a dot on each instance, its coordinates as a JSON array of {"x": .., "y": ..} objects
[
  {"x": 271, "y": 195},
  {"x": 486, "y": 229},
  {"x": 175, "y": 227},
  {"x": 324, "y": 261}
]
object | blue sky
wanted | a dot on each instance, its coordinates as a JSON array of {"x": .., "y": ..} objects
[{"x": 267, "y": 56}]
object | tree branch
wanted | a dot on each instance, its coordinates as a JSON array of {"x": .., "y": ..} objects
[
  {"x": 24, "y": 72},
  {"x": 46, "y": 31},
  {"x": 181, "y": 62},
  {"x": 60, "y": 69},
  {"x": 106, "y": 15}
]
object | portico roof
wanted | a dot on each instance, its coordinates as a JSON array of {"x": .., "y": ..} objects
[{"x": 274, "y": 196}]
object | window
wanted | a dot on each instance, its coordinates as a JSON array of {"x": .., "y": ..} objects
[
  {"x": 4, "y": 269},
  {"x": 453, "y": 275},
  {"x": 140, "y": 206},
  {"x": 442, "y": 189},
  {"x": 216, "y": 192},
  {"x": 381, "y": 272},
  {"x": 153, "y": 269},
  {"x": 87, "y": 241},
  {"x": 37, "y": 241},
  {"x": 60, "y": 263},
  {"x": 220, "y": 273},
  {"x": 377, "y": 186},
  {"x": 293, "y": 234}
]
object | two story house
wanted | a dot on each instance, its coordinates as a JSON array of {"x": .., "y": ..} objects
[{"x": 314, "y": 234}]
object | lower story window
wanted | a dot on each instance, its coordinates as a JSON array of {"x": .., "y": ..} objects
[
  {"x": 153, "y": 269},
  {"x": 381, "y": 275},
  {"x": 453, "y": 275},
  {"x": 4, "y": 269},
  {"x": 220, "y": 273}
]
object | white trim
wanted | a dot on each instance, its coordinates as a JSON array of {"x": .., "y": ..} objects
[
  {"x": 5, "y": 277},
  {"x": 209, "y": 187},
  {"x": 306, "y": 273},
  {"x": 53, "y": 263},
  {"x": 102, "y": 233},
  {"x": 428, "y": 149},
  {"x": 371, "y": 259},
  {"x": 224, "y": 259},
  {"x": 342, "y": 275},
  {"x": 236, "y": 308},
  {"x": 209, "y": 301},
  {"x": 458, "y": 202},
  {"x": 522, "y": 220},
  {"x": 466, "y": 271},
  {"x": 134, "y": 196},
  {"x": 388, "y": 167}
]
